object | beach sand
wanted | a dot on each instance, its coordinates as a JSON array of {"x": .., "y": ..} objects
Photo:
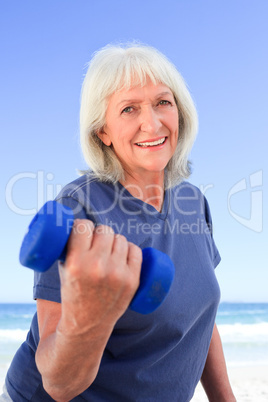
[{"x": 249, "y": 383}]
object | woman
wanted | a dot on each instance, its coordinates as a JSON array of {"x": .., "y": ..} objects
[{"x": 138, "y": 124}]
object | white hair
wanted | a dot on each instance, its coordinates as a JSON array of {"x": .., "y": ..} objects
[{"x": 115, "y": 67}]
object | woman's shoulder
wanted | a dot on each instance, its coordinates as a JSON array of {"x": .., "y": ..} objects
[
  {"x": 89, "y": 192},
  {"x": 188, "y": 199},
  {"x": 187, "y": 189},
  {"x": 83, "y": 184}
]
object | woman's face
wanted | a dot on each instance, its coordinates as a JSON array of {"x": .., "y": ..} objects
[{"x": 142, "y": 127}]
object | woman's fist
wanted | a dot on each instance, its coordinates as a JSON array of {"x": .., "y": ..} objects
[{"x": 99, "y": 277}]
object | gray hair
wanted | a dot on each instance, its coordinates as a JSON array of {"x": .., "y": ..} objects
[{"x": 115, "y": 67}]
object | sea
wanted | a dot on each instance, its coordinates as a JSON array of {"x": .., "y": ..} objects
[{"x": 243, "y": 328}]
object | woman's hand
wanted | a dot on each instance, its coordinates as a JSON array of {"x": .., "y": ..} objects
[
  {"x": 99, "y": 277},
  {"x": 98, "y": 280}
]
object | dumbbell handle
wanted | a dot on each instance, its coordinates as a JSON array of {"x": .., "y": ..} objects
[{"x": 46, "y": 239}]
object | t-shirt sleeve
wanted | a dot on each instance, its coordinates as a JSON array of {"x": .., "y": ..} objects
[
  {"x": 47, "y": 284},
  {"x": 216, "y": 258}
]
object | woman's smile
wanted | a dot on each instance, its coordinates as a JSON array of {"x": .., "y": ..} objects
[{"x": 152, "y": 143}]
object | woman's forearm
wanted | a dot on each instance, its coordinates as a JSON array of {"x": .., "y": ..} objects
[
  {"x": 97, "y": 285},
  {"x": 68, "y": 362},
  {"x": 215, "y": 378}
]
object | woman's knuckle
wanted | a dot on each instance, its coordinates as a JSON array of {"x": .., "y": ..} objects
[
  {"x": 97, "y": 267},
  {"x": 116, "y": 277},
  {"x": 121, "y": 238},
  {"x": 136, "y": 252},
  {"x": 104, "y": 230}
]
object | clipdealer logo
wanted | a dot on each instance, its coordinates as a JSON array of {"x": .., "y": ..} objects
[
  {"x": 253, "y": 193},
  {"x": 249, "y": 188}
]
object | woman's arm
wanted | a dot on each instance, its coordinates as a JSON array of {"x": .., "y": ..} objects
[
  {"x": 215, "y": 378},
  {"x": 67, "y": 361},
  {"x": 98, "y": 280}
]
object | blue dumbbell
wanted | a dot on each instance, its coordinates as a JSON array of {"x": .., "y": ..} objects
[{"x": 46, "y": 240}]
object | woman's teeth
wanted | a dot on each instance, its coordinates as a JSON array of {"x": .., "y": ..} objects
[{"x": 151, "y": 144}]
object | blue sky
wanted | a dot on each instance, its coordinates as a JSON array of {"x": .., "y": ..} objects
[{"x": 221, "y": 50}]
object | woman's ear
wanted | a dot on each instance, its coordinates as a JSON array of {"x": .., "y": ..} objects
[{"x": 104, "y": 137}]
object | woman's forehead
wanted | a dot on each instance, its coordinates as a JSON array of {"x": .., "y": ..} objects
[{"x": 147, "y": 89}]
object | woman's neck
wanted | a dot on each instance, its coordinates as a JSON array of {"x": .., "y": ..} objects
[{"x": 149, "y": 189}]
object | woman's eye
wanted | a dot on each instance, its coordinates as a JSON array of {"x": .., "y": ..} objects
[
  {"x": 127, "y": 109},
  {"x": 164, "y": 102}
]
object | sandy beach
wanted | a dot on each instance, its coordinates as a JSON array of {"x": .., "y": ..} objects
[{"x": 249, "y": 383}]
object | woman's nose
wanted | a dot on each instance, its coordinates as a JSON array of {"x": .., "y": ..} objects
[{"x": 149, "y": 120}]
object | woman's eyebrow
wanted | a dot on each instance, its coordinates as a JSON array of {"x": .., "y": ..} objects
[
  {"x": 136, "y": 100},
  {"x": 164, "y": 94},
  {"x": 128, "y": 101}
]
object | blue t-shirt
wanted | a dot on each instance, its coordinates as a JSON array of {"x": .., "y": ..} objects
[{"x": 154, "y": 357}]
